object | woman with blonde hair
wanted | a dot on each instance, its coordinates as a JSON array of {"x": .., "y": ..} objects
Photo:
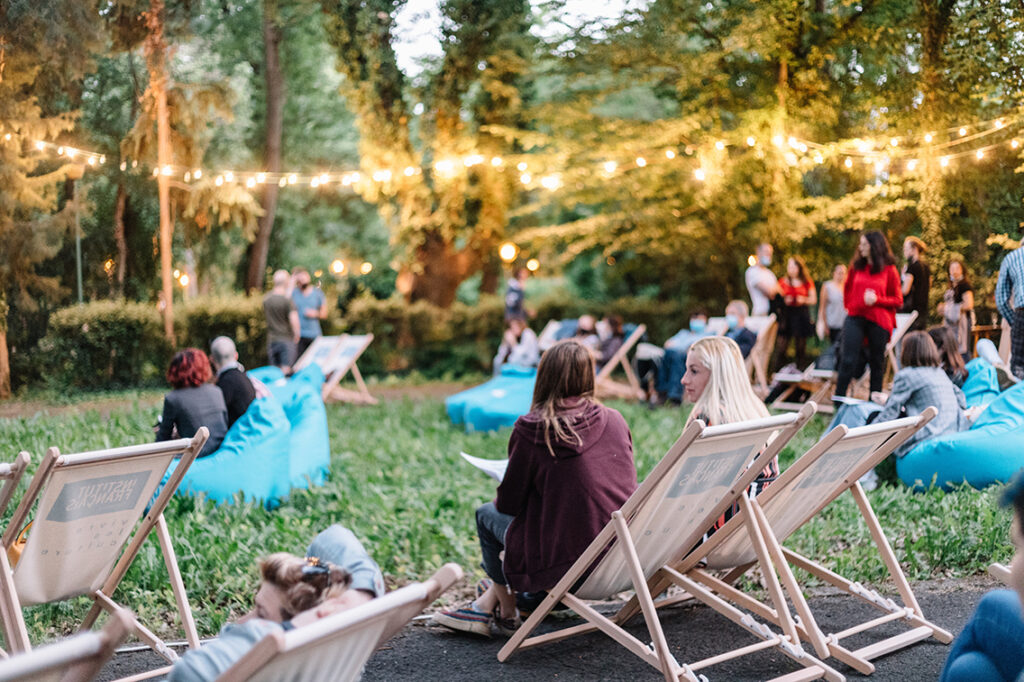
[
  {"x": 570, "y": 465},
  {"x": 718, "y": 385}
]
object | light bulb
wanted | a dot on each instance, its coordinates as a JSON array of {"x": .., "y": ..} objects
[
  {"x": 641, "y": 161},
  {"x": 699, "y": 174}
]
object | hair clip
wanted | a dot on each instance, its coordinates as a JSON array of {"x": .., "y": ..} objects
[{"x": 314, "y": 569}]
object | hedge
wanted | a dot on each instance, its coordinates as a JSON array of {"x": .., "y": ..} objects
[{"x": 111, "y": 344}]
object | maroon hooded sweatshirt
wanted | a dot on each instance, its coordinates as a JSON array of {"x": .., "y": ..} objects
[{"x": 561, "y": 502}]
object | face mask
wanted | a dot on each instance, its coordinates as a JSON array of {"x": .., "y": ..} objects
[
  {"x": 765, "y": 260},
  {"x": 955, "y": 278},
  {"x": 697, "y": 325},
  {"x": 731, "y": 321}
]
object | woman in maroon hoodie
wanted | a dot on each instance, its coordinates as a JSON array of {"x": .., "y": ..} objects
[
  {"x": 872, "y": 294},
  {"x": 570, "y": 465}
]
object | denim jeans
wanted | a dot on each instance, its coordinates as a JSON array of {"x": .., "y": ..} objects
[
  {"x": 670, "y": 373},
  {"x": 991, "y": 646},
  {"x": 491, "y": 526}
]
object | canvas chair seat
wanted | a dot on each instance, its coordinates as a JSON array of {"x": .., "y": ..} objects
[
  {"x": 703, "y": 474},
  {"x": 757, "y": 360},
  {"x": 829, "y": 468},
  {"x": 336, "y": 648},
  {"x": 337, "y": 357},
  {"x": 75, "y": 659},
  {"x": 93, "y": 511}
]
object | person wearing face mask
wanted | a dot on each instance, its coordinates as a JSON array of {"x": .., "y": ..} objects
[
  {"x": 311, "y": 304},
  {"x": 957, "y": 307},
  {"x": 735, "y": 321},
  {"x": 916, "y": 279},
  {"x": 673, "y": 364},
  {"x": 761, "y": 282}
]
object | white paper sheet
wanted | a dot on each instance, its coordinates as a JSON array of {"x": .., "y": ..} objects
[{"x": 495, "y": 468}]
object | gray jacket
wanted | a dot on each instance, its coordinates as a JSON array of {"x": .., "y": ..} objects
[{"x": 917, "y": 388}]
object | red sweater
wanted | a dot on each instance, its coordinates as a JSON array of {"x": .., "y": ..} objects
[
  {"x": 887, "y": 287},
  {"x": 562, "y": 502}
]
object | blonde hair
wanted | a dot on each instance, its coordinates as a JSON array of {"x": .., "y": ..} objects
[
  {"x": 728, "y": 396},
  {"x": 303, "y": 582}
]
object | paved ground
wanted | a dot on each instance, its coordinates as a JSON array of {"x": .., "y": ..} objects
[{"x": 431, "y": 653}]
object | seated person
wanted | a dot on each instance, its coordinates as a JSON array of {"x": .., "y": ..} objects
[
  {"x": 673, "y": 363},
  {"x": 612, "y": 342},
  {"x": 990, "y": 648},
  {"x": 570, "y": 465},
  {"x": 717, "y": 383},
  {"x": 232, "y": 381},
  {"x": 586, "y": 332},
  {"x": 336, "y": 574},
  {"x": 518, "y": 346},
  {"x": 919, "y": 384},
  {"x": 950, "y": 360},
  {"x": 194, "y": 402},
  {"x": 735, "y": 319}
]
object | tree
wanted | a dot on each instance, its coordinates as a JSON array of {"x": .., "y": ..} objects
[{"x": 445, "y": 206}]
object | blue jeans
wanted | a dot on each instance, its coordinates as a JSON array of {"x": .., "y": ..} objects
[
  {"x": 853, "y": 415},
  {"x": 991, "y": 646},
  {"x": 670, "y": 373},
  {"x": 491, "y": 526}
]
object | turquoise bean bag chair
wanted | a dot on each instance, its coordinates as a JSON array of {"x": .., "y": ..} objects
[
  {"x": 252, "y": 459},
  {"x": 309, "y": 443},
  {"x": 268, "y": 375},
  {"x": 496, "y": 403},
  {"x": 991, "y": 451},
  {"x": 982, "y": 384}
]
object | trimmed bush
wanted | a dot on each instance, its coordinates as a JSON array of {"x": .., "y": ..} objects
[{"x": 201, "y": 320}]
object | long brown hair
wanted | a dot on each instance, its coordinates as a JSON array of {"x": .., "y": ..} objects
[
  {"x": 919, "y": 351},
  {"x": 801, "y": 266},
  {"x": 303, "y": 582},
  {"x": 566, "y": 371},
  {"x": 948, "y": 352}
]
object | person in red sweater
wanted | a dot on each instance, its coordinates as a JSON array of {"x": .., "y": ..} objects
[
  {"x": 570, "y": 465},
  {"x": 798, "y": 295},
  {"x": 873, "y": 295}
]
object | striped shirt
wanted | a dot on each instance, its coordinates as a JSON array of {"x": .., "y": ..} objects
[{"x": 1011, "y": 282}]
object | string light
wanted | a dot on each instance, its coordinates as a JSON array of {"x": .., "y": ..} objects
[
  {"x": 261, "y": 178},
  {"x": 338, "y": 266},
  {"x": 980, "y": 154},
  {"x": 229, "y": 177},
  {"x": 963, "y": 131},
  {"x": 508, "y": 252},
  {"x": 719, "y": 145},
  {"x": 610, "y": 166},
  {"x": 521, "y": 166},
  {"x": 409, "y": 171},
  {"x": 928, "y": 138},
  {"x": 912, "y": 164},
  {"x": 670, "y": 154},
  {"x": 641, "y": 161},
  {"x": 699, "y": 174},
  {"x": 496, "y": 161},
  {"x": 751, "y": 141},
  {"x": 1014, "y": 143},
  {"x": 366, "y": 268},
  {"x": 848, "y": 163},
  {"x": 525, "y": 178},
  {"x": 944, "y": 161},
  {"x": 533, "y": 265}
]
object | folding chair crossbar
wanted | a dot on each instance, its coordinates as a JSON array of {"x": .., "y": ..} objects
[
  {"x": 704, "y": 472},
  {"x": 87, "y": 531},
  {"x": 603, "y": 380},
  {"x": 828, "y": 469}
]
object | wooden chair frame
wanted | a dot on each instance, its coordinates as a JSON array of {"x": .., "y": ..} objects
[
  {"x": 387, "y": 615},
  {"x": 618, "y": 542},
  {"x": 756, "y": 512},
  {"x": 608, "y": 387},
  {"x": 11, "y": 619},
  {"x": 761, "y": 354},
  {"x": 331, "y": 390}
]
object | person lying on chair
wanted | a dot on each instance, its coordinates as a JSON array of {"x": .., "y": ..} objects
[{"x": 335, "y": 575}]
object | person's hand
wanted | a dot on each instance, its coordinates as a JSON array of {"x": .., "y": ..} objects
[
  {"x": 509, "y": 338},
  {"x": 349, "y": 599},
  {"x": 870, "y": 297},
  {"x": 789, "y": 300},
  {"x": 879, "y": 397},
  {"x": 311, "y": 312},
  {"x": 820, "y": 329}
]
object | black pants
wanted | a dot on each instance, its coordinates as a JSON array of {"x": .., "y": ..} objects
[
  {"x": 855, "y": 330},
  {"x": 1017, "y": 343}
]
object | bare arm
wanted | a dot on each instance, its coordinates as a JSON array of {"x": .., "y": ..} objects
[
  {"x": 968, "y": 303},
  {"x": 293, "y": 320}
]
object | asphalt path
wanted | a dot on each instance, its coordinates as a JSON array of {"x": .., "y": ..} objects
[{"x": 426, "y": 652}]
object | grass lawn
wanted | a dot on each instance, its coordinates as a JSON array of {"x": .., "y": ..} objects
[{"x": 397, "y": 480}]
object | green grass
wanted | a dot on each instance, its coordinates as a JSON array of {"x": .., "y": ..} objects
[{"x": 397, "y": 480}]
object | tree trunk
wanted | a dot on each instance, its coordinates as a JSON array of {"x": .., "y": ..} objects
[
  {"x": 5, "y": 360},
  {"x": 442, "y": 269},
  {"x": 120, "y": 240},
  {"x": 156, "y": 60},
  {"x": 272, "y": 36},
  {"x": 490, "y": 276}
]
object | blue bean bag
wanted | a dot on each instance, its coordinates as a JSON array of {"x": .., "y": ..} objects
[
  {"x": 309, "y": 444},
  {"x": 991, "y": 451},
  {"x": 268, "y": 374},
  {"x": 982, "y": 385},
  {"x": 496, "y": 403},
  {"x": 252, "y": 459}
]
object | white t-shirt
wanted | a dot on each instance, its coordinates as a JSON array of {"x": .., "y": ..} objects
[{"x": 758, "y": 275}]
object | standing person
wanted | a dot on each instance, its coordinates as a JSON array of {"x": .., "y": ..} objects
[
  {"x": 1011, "y": 286},
  {"x": 916, "y": 279},
  {"x": 957, "y": 307},
  {"x": 761, "y": 282},
  {"x": 231, "y": 378},
  {"x": 798, "y": 295},
  {"x": 193, "y": 402},
  {"x": 311, "y": 305},
  {"x": 515, "y": 295},
  {"x": 282, "y": 323},
  {"x": 831, "y": 311},
  {"x": 872, "y": 295},
  {"x": 570, "y": 465}
]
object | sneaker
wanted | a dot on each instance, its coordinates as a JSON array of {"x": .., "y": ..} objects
[
  {"x": 506, "y": 626},
  {"x": 466, "y": 619}
]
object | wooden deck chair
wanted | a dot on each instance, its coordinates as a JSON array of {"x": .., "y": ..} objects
[
  {"x": 760, "y": 355},
  {"x": 10, "y": 474},
  {"x": 704, "y": 472},
  {"x": 95, "y": 509},
  {"x": 336, "y": 648},
  {"x": 716, "y": 326},
  {"x": 547, "y": 335},
  {"x": 337, "y": 356},
  {"x": 608, "y": 387},
  {"x": 76, "y": 659},
  {"x": 829, "y": 468}
]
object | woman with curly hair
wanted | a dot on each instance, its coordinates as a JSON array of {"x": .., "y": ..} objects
[{"x": 194, "y": 402}]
